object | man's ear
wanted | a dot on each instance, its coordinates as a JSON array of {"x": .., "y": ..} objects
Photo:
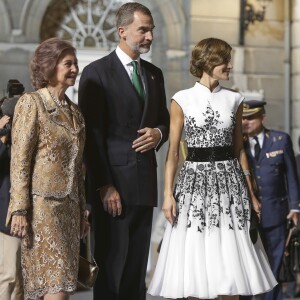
[
  {"x": 263, "y": 118},
  {"x": 122, "y": 32}
]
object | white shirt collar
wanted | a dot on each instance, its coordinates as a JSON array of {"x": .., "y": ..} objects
[
  {"x": 260, "y": 138},
  {"x": 205, "y": 89},
  {"x": 125, "y": 58}
]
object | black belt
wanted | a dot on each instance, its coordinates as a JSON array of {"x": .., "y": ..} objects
[{"x": 209, "y": 154}]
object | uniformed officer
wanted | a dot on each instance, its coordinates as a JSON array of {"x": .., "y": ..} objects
[{"x": 271, "y": 157}]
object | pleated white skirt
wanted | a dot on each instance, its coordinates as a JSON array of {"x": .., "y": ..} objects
[{"x": 208, "y": 252}]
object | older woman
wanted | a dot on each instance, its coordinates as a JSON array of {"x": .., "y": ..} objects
[{"x": 47, "y": 197}]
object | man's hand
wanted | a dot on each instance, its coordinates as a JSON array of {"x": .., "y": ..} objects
[
  {"x": 19, "y": 226},
  {"x": 294, "y": 216},
  {"x": 4, "y": 139},
  {"x": 148, "y": 140},
  {"x": 3, "y": 121},
  {"x": 111, "y": 200},
  {"x": 256, "y": 206}
]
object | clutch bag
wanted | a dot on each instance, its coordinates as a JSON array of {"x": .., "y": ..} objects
[
  {"x": 87, "y": 273},
  {"x": 88, "y": 269}
]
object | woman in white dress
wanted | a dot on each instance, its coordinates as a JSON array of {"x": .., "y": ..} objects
[{"x": 207, "y": 250}]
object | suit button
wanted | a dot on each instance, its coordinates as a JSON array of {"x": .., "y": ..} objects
[
  {"x": 257, "y": 167},
  {"x": 259, "y": 187},
  {"x": 260, "y": 197},
  {"x": 258, "y": 177}
]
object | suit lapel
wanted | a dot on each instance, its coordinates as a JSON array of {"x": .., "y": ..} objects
[
  {"x": 77, "y": 118},
  {"x": 123, "y": 82},
  {"x": 150, "y": 85},
  {"x": 57, "y": 115}
]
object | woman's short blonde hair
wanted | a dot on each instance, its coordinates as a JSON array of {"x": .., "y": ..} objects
[
  {"x": 45, "y": 59},
  {"x": 208, "y": 54}
]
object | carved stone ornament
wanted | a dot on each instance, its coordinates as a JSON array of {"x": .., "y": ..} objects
[{"x": 86, "y": 23}]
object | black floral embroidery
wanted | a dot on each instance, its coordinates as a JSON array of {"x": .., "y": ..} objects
[
  {"x": 211, "y": 194},
  {"x": 211, "y": 134}
]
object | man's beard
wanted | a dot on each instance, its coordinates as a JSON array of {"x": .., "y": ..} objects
[{"x": 141, "y": 49}]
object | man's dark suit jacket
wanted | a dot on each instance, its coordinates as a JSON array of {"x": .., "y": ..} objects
[
  {"x": 113, "y": 114},
  {"x": 4, "y": 184},
  {"x": 276, "y": 178}
]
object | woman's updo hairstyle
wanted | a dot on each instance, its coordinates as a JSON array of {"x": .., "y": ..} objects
[
  {"x": 208, "y": 54},
  {"x": 45, "y": 59}
]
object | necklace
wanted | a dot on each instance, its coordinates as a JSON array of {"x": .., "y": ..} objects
[{"x": 59, "y": 103}]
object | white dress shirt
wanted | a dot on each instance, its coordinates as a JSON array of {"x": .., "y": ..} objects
[
  {"x": 126, "y": 61},
  {"x": 252, "y": 142}
]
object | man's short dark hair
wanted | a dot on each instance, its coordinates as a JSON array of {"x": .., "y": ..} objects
[{"x": 126, "y": 12}]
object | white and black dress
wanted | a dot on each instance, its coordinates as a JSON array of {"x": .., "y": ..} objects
[{"x": 208, "y": 251}]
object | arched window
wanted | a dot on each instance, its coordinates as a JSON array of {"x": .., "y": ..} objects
[{"x": 88, "y": 24}]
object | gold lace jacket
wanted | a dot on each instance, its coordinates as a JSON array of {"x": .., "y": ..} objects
[{"x": 47, "y": 150}]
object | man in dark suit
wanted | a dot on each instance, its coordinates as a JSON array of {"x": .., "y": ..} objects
[
  {"x": 122, "y": 98},
  {"x": 271, "y": 157}
]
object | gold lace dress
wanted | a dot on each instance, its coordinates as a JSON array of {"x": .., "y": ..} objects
[{"x": 47, "y": 181}]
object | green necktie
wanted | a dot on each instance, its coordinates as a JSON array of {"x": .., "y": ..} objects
[{"x": 136, "y": 80}]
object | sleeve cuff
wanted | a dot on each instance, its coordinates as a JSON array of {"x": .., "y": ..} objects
[{"x": 160, "y": 137}]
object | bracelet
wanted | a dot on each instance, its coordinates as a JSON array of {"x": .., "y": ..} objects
[
  {"x": 246, "y": 173},
  {"x": 21, "y": 212}
]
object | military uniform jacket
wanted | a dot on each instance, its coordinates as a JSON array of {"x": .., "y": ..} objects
[
  {"x": 276, "y": 177},
  {"x": 47, "y": 151}
]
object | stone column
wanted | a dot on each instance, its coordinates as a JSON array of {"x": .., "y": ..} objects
[{"x": 295, "y": 81}]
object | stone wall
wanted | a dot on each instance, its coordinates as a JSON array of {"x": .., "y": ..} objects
[
  {"x": 295, "y": 53},
  {"x": 261, "y": 65}
]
